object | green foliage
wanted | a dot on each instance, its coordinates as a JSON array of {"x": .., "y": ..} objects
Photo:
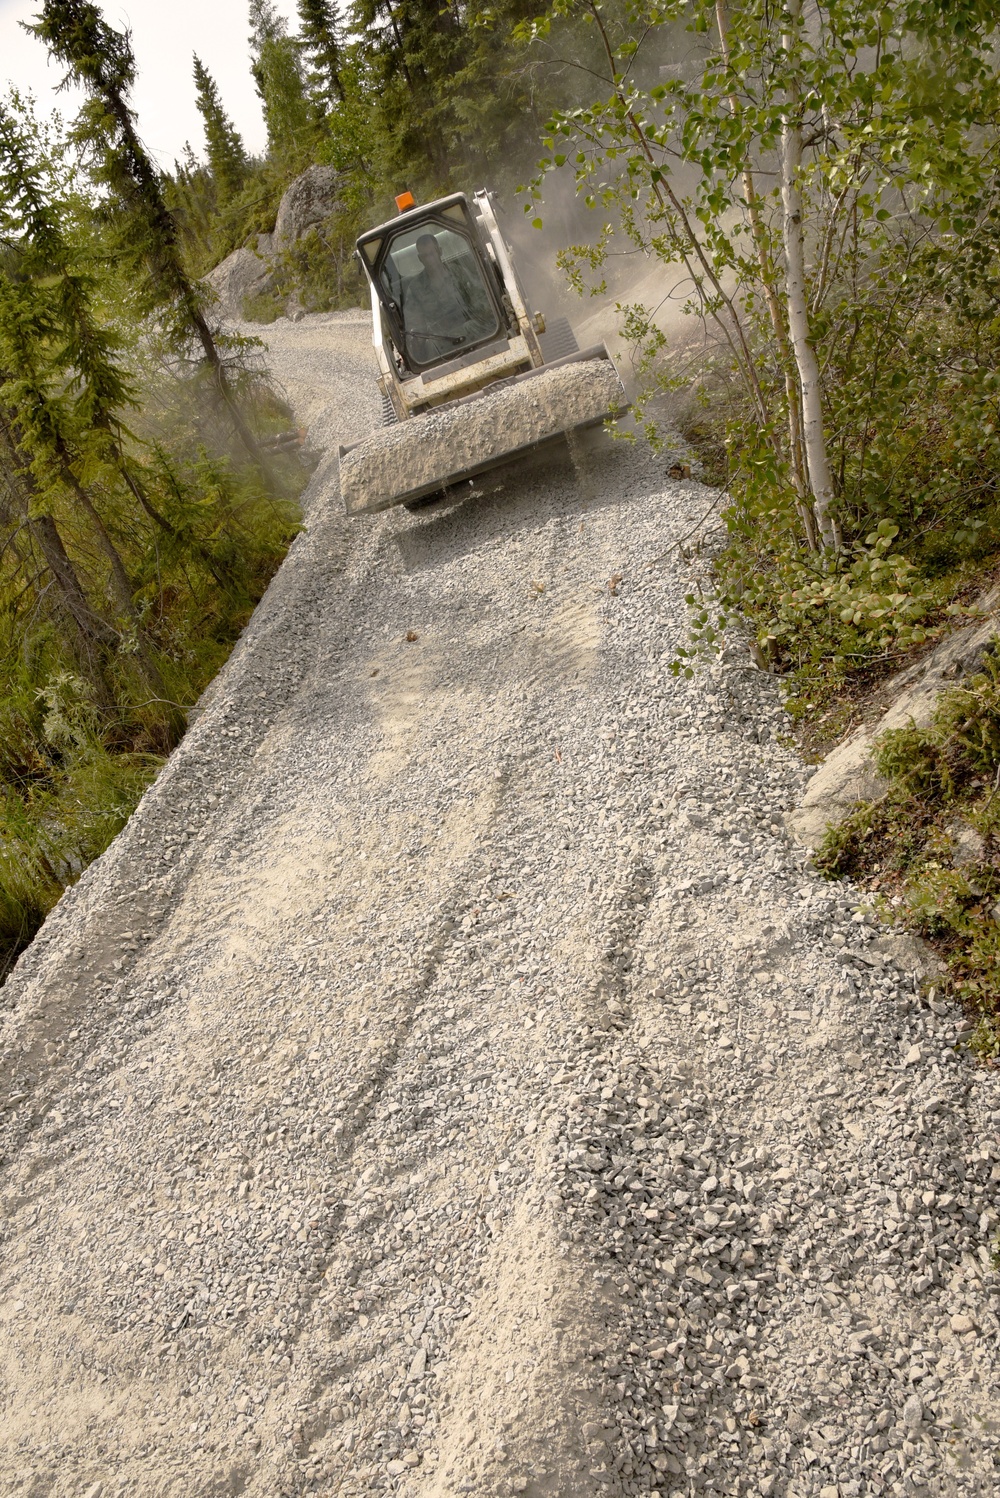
[
  {"x": 884, "y": 124},
  {"x": 266, "y": 307},
  {"x": 142, "y": 235},
  {"x": 941, "y": 794},
  {"x": 277, "y": 72},
  {"x": 227, "y": 157},
  {"x": 320, "y": 42},
  {"x": 832, "y": 610},
  {"x": 66, "y": 800},
  {"x": 135, "y": 539},
  {"x": 445, "y": 91},
  {"x": 318, "y": 269},
  {"x": 404, "y": 95}
]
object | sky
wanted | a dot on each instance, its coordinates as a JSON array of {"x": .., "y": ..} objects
[{"x": 164, "y": 35}]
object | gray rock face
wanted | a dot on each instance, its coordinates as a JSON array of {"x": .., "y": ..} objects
[
  {"x": 967, "y": 845},
  {"x": 247, "y": 272},
  {"x": 241, "y": 275},
  {"x": 847, "y": 775},
  {"x": 307, "y": 202}
]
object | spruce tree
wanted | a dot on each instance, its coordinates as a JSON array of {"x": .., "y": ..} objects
[
  {"x": 447, "y": 89},
  {"x": 90, "y": 634},
  {"x": 100, "y": 60},
  {"x": 319, "y": 40},
  {"x": 87, "y": 355},
  {"x": 226, "y": 153},
  {"x": 277, "y": 72},
  {"x": 63, "y": 379}
]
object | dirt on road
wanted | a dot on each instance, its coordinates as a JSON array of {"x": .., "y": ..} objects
[{"x": 453, "y": 1081}]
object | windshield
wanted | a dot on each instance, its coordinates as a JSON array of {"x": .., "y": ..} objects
[{"x": 435, "y": 281}]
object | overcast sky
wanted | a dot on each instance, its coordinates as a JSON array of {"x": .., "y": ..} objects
[{"x": 164, "y": 35}]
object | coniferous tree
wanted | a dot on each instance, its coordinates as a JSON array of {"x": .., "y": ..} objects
[
  {"x": 89, "y": 353},
  {"x": 90, "y": 631},
  {"x": 56, "y": 446},
  {"x": 226, "y": 153},
  {"x": 64, "y": 377},
  {"x": 277, "y": 72},
  {"x": 128, "y": 562},
  {"x": 100, "y": 59},
  {"x": 319, "y": 40},
  {"x": 194, "y": 201},
  {"x": 446, "y": 89}
]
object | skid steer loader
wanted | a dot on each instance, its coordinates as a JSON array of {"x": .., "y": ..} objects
[{"x": 468, "y": 376}]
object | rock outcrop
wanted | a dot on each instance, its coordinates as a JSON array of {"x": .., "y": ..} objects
[
  {"x": 848, "y": 775},
  {"x": 251, "y": 271},
  {"x": 242, "y": 275},
  {"x": 309, "y": 200}
]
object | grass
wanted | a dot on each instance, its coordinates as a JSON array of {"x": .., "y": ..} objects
[{"x": 51, "y": 832}]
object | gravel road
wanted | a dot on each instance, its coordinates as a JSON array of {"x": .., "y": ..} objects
[{"x": 453, "y": 1081}]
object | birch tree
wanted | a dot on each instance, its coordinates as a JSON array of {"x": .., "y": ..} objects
[
  {"x": 809, "y": 392},
  {"x": 787, "y": 154}
]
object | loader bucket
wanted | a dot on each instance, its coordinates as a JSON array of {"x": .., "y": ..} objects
[{"x": 472, "y": 435}]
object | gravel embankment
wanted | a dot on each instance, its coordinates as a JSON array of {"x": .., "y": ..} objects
[{"x": 453, "y": 1082}]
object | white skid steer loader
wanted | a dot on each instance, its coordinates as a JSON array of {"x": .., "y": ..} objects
[{"x": 468, "y": 376}]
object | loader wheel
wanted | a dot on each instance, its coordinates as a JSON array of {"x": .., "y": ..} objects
[
  {"x": 424, "y": 501},
  {"x": 389, "y": 417},
  {"x": 558, "y": 340}
]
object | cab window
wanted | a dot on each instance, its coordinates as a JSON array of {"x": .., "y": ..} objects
[{"x": 434, "y": 280}]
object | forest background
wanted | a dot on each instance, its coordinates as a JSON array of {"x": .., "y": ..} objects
[{"x": 815, "y": 185}]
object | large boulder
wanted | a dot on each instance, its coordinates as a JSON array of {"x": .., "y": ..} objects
[
  {"x": 848, "y": 775},
  {"x": 252, "y": 272},
  {"x": 309, "y": 200},
  {"x": 242, "y": 275}
]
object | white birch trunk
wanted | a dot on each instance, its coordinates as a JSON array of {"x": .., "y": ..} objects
[
  {"x": 813, "y": 434},
  {"x": 800, "y": 482}
]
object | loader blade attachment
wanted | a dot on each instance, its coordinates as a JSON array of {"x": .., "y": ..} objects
[{"x": 479, "y": 432}]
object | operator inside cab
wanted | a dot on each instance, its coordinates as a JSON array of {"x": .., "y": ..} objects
[{"x": 445, "y": 306}]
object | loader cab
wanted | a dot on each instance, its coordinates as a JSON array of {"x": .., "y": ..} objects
[{"x": 439, "y": 289}]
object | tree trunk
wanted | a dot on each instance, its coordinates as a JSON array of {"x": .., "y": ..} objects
[
  {"x": 90, "y": 626},
  {"x": 90, "y": 633},
  {"x": 138, "y": 492},
  {"x": 768, "y": 279},
  {"x": 167, "y": 268},
  {"x": 146, "y": 661},
  {"x": 225, "y": 389},
  {"x": 121, "y": 582},
  {"x": 813, "y": 433}
]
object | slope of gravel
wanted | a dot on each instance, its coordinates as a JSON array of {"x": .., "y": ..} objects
[{"x": 453, "y": 1082}]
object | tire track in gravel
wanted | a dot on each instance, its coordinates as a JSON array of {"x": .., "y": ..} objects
[{"x": 495, "y": 1103}]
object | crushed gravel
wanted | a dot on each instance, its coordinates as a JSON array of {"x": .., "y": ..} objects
[{"x": 453, "y": 1080}]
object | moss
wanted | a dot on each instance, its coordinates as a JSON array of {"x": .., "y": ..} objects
[{"x": 931, "y": 843}]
